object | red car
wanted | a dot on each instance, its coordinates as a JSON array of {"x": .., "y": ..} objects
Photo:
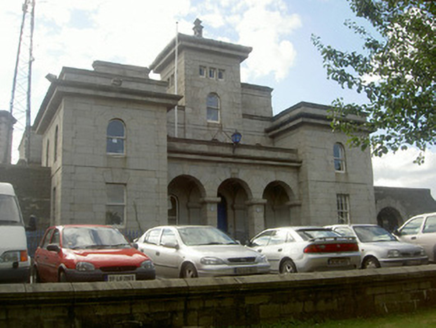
[{"x": 88, "y": 253}]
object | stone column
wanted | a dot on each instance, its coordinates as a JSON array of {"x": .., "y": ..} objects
[
  {"x": 256, "y": 216},
  {"x": 209, "y": 210}
]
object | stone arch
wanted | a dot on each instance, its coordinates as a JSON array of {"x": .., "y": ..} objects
[
  {"x": 189, "y": 193},
  {"x": 389, "y": 218},
  {"x": 232, "y": 209},
  {"x": 278, "y": 196}
]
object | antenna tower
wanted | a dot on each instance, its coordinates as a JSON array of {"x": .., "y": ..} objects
[{"x": 20, "y": 105}]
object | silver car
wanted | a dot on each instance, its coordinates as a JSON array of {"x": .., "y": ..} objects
[
  {"x": 420, "y": 230},
  {"x": 379, "y": 248},
  {"x": 198, "y": 251},
  {"x": 306, "y": 249}
]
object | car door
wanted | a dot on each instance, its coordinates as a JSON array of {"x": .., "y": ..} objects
[
  {"x": 149, "y": 246},
  {"x": 274, "y": 247},
  {"x": 169, "y": 255},
  {"x": 42, "y": 256},
  {"x": 409, "y": 232},
  {"x": 427, "y": 237},
  {"x": 54, "y": 258}
]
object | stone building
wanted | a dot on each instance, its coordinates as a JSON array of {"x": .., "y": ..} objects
[{"x": 196, "y": 147}]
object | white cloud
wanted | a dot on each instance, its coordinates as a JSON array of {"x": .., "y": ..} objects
[{"x": 398, "y": 170}]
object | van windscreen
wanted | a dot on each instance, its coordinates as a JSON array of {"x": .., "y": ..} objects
[{"x": 9, "y": 211}]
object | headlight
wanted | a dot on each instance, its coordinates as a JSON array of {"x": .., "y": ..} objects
[
  {"x": 148, "y": 265},
  {"x": 394, "y": 253},
  {"x": 14, "y": 256},
  {"x": 85, "y": 266},
  {"x": 211, "y": 261},
  {"x": 262, "y": 259}
]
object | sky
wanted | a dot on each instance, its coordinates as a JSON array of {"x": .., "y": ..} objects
[{"x": 76, "y": 33}]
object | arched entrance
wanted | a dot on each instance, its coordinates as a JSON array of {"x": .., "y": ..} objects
[
  {"x": 232, "y": 209},
  {"x": 277, "y": 209},
  {"x": 188, "y": 192},
  {"x": 389, "y": 218}
]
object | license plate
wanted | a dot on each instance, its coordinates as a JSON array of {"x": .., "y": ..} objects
[
  {"x": 339, "y": 261},
  {"x": 121, "y": 277},
  {"x": 245, "y": 270},
  {"x": 415, "y": 262}
]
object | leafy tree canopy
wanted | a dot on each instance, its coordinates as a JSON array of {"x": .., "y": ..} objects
[{"x": 396, "y": 71}]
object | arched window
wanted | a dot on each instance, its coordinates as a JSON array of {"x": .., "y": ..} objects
[
  {"x": 339, "y": 157},
  {"x": 173, "y": 210},
  {"x": 115, "y": 137},
  {"x": 213, "y": 108}
]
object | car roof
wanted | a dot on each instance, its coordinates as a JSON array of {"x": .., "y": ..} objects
[
  {"x": 62, "y": 226},
  {"x": 6, "y": 189},
  {"x": 296, "y": 228},
  {"x": 183, "y": 226}
]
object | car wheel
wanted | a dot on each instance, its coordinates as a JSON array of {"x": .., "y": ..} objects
[
  {"x": 34, "y": 276},
  {"x": 287, "y": 266},
  {"x": 62, "y": 276},
  {"x": 370, "y": 263},
  {"x": 189, "y": 271}
]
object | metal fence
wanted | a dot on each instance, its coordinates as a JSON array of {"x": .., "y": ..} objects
[{"x": 34, "y": 238}]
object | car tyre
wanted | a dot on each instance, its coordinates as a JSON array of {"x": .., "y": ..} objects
[
  {"x": 287, "y": 266},
  {"x": 189, "y": 271},
  {"x": 370, "y": 263},
  {"x": 62, "y": 276}
]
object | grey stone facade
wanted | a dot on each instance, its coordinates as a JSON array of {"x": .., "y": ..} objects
[{"x": 179, "y": 165}]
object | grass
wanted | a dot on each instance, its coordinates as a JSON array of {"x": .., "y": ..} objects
[{"x": 420, "y": 319}]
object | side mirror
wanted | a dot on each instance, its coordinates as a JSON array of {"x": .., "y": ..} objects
[
  {"x": 135, "y": 245},
  {"x": 53, "y": 248}
]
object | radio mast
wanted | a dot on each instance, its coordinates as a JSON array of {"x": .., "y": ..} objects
[{"x": 20, "y": 105}]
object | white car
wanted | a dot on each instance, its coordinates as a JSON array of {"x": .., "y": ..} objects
[
  {"x": 379, "y": 248},
  {"x": 306, "y": 249},
  {"x": 420, "y": 230},
  {"x": 198, "y": 251}
]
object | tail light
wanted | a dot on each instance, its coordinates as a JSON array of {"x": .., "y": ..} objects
[
  {"x": 23, "y": 256},
  {"x": 331, "y": 248}
]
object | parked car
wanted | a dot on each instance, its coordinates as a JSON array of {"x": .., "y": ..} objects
[
  {"x": 379, "y": 248},
  {"x": 198, "y": 251},
  {"x": 306, "y": 249},
  {"x": 14, "y": 257},
  {"x": 88, "y": 253},
  {"x": 420, "y": 230}
]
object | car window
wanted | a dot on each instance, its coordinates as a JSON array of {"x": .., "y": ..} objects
[
  {"x": 168, "y": 237},
  {"x": 344, "y": 231},
  {"x": 46, "y": 240},
  {"x": 55, "y": 238},
  {"x": 307, "y": 234},
  {"x": 278, "y": 237},
  {"x": 196, "y": 236},
  {"x": 373, "y": 234},
  {"x": 412, "y": 227},
  {"x": 262, "y": 239},
  {"x": 93, "y": 237},
  {"x": 430, "y": 225},
  {"x": 152, "y": 236}
]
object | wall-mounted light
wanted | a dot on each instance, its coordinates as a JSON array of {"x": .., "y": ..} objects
[{"x": 236, "y": 137}]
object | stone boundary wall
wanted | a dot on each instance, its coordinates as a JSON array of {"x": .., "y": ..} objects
[{"x": 219, "y": 302}]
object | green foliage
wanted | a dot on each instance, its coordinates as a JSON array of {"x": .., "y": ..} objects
[{"x": 396, "y": 71}]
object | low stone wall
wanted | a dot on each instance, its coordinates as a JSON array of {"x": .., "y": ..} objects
[{"x": 219, "y": 302}]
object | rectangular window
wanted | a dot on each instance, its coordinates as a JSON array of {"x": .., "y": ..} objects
[
  {"x": 212, "y": 72},
  {"x": 343, "y": 206},
  {"x": 116, "y": 204},
  {"x": 202, "y": 71},
  {"x": 221, "y": 74}
]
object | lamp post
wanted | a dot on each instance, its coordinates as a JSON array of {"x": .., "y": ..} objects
[{"x": 236, "y": 137}]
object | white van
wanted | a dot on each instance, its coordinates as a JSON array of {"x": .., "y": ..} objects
[{"x": 14, "y": 258}]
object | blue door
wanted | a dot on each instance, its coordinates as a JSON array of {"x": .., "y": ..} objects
[{"x": 222, "y": 214}]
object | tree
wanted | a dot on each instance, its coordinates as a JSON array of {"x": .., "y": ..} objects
[{"x": 396, "y": 72}]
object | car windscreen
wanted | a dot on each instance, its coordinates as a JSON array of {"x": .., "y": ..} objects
[
  {"x": 195, "y": 236},
  {"x": 9, "y": 211},
  {"x": 368, "y": 234},
  {"x": 307, "y": 234},
  {"x": 93, "y": 237}
]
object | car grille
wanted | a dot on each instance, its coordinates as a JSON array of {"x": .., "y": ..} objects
[
  {"x": 410, "y": 254},
  {"x": 118, "y": 268},
  {"x": 242, "y": 260}
]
